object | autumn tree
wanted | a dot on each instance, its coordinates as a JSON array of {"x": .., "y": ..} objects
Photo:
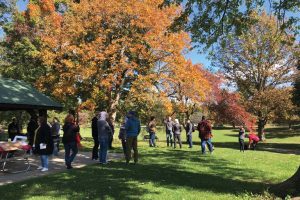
[
  {"x": 186, "y": 85},
  {"x": 258, "y": 62},
  {"x": 95, "y": 51},
  {"x": 227, "y": 108}
]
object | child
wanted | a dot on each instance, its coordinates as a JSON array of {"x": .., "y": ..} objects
[
  {"x": 122, "y": 137},
  {"x": 241, "y": 138}
]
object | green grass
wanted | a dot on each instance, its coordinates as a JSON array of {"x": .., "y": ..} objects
[{"x": 165, "y": 173}]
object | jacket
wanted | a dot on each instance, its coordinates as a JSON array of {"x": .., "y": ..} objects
[
  {"x": 189, "y": 128},
  {"x": 177, "y": 129},
  {"x": 104, "y": 130},
  {"x": 70, "y": 131},
  {"x": 204, "y": 129},
  {"x": 133, "y": 127},
  {"x": 43, "y": 135}
]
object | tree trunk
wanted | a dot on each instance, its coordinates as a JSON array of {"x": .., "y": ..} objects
[
  {"x": 261, "y": 125},
  {"x": 289, "y": 187},
  {"x": 112, "y": 110}
]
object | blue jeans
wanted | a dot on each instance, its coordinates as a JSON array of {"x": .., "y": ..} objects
[
  {"x": 190, "y": 140},
  {"x": 68, "y": 147},
  {"x": 44, "y": 161},
  {"x": 103, "y": 149},
  {"x": 152, "y": 140},
  {"x": 169, "y": 138},
  {"x": 203, "y": 145}
]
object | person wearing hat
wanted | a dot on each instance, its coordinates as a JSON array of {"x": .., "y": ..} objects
[
  {"x": 104, "y": 133},
  {"x": 133, "y": 129}
]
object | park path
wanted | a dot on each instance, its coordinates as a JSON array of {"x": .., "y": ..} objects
[{"x": 56, "y": 164}]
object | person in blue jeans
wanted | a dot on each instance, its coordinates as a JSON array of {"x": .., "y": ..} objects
[
  {"x": 104, "y": 134},
  {"x": 152, "y": 131},
  {"x": 133, "y": 129},
  {"x": 204, "y": 129},
  {"x": 70, "y": 130},
  {"x": 43, "y": 143}
]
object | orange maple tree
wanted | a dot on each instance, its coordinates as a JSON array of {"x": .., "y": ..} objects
[{"x": 97, "y": 50}]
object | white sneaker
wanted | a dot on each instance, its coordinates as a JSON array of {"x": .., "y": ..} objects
[
  {"x": 44, "y": 169},
  {"x": 39, "y": 168}
]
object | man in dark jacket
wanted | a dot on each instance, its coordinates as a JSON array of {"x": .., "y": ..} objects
[
  {"x": 31, "y": 127},
  {"x": 133, "y": 129},
  {"x": 95, "y": 138},
  {"x": 204, "y": 129}
]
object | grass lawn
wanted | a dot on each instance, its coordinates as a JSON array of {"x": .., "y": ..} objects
[{"x": 165, "y": 173}]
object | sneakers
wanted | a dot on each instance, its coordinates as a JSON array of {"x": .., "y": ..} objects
[
  {"x": 39, "y": 168},
  {"x": 44, "y": 169}
]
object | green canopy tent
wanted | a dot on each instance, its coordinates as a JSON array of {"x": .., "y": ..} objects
[{"x": 18, "y": 95}]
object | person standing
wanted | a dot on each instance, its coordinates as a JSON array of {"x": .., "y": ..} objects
[
  {"x": 70, "y": 130},
  {"x": 152, "y": 131},
  {"x": 133, "y": 129},
  {"x": 111, "y": 137},
  {"x": 122, "y": 137},
  {"x": 43, "y": 143},
  {"x": 95, "y": 138},
  {"x": 169, "y": 133},
  {"x": 204, "y": 129},
  {"x": 189, "y": 132},
  {"x": 177, "y": 133},
  {"x": 55, "y": 129},
  {"x": 241, "y": 138},
  {"x": 31, "y": 127},
  {"x": 13, "y": 129},
  {"x": 104, "y": 133}
]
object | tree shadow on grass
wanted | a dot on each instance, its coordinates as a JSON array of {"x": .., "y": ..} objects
[
  {"x": 282, "y": 132},
  {"x": 284, "y": 148},
  {"x": 120, "y": 181}
]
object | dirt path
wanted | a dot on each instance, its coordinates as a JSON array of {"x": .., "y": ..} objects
[{"x": 56, "y": 164}]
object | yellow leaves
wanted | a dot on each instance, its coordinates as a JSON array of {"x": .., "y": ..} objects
[{"x": 33, "y": 11}]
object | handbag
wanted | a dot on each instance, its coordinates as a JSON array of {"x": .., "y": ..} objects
[{"x": 78, "y": 138}]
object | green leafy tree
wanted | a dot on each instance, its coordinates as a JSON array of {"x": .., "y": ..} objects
[{"x": 207, "y": 20}]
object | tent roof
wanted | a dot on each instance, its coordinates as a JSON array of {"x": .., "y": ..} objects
[{"x": 18, "y": 95}]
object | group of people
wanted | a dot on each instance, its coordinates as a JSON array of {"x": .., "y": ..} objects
[
  {"x": 173, "y": 133},
  {"x": 44, "y": 137},
  {"x": 102, "y": 133}
]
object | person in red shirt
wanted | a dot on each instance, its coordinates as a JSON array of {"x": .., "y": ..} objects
[
  {"x": 253, "y": 140},
  {"x": 205, "y": 134}
]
